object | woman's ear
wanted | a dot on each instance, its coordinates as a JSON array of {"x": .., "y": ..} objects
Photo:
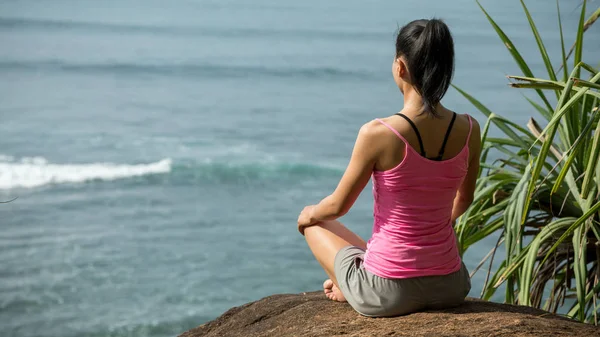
[{"x": 402, "y": 69}]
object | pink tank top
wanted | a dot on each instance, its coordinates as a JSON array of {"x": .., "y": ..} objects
[{"x": 412, "y": 230}]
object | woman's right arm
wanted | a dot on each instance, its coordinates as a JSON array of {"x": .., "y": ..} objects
[{"x": 464, "y": 196}]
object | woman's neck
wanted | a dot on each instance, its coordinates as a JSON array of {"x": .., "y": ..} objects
[{"x": 413, "y": 102}]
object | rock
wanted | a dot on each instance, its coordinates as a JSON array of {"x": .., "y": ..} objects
[{"x": 312, "y": 314}]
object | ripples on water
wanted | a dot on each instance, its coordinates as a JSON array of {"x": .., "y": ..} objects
[{"x": 161, "y": 152}]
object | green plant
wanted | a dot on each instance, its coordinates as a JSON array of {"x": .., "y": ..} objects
[{"x": 540, "y": 187}]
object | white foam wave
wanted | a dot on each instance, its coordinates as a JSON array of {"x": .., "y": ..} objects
[
  {"x": 4, "y": 157},
  {"x": 37, "y": 171}
]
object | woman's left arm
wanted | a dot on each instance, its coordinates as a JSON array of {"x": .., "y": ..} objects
[{"x": 362, "y": 162}]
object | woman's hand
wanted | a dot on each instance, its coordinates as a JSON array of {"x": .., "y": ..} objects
[{"x": 305, "y": 219}]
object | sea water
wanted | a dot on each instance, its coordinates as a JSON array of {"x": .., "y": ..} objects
[{"x": 161, "y": 151}]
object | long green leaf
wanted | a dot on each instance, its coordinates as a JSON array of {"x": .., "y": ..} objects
[
  {"x": 511, "y": 267},
  {"x": 572, "y": 118},
  {"x": 513, "y": 216},
  {"x": 597, "y": 169},
  {"x": 488, "y": 114},
  {"x": 532, "y": 254},
  {"x": 514, "y": 52},
  {"x": 588, "y": 297},
  {"x": 588, "y": 23},
  {"x": 537, "y": 86},
  {"x": 579, "y": 39},
  {"x": 579, "y": 263},
  {"x": 548, "y": 115},
  {"x": 510, "y": 154},
  {"x": 592, "y": 93},
  {"x": 535, "y": 79},
  {"x": 585, "y": 118},
  {"x": 489, "y": 291},
  {"x": 503, "y": 141},
  {"x": 540, "y": 43},
  {"x": 541, "y": 158},
  {"x": 524, "y": 132},
  {"x": 484, "y": 153},
  {"x": 550, "y": 131},
  {"x": 558, "y": 115},
  {"x": 484, "y": 232},
  {"x": 584, "y": 83},
  {"x": 588, "y": 176},
  {"x": 550, "y": 84},
  {"x": 499, "y": 170},
  {"x": 544, "y": 112},
  {"x": 573, "y": 153},
  {"x": 587, "y": 215},
  {"x": 589, "y": 67},
  {"x": 562, "y": 44}
]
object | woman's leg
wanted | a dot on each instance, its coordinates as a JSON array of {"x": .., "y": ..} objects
[{"x": 325, "y": 241}]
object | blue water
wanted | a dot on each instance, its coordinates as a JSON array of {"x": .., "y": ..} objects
[{"x": 161, "y": 151}]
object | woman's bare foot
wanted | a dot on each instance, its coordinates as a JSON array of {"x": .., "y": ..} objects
[
  {"x": 327, "y": 285},
  {"x": 332, "y": 291}
]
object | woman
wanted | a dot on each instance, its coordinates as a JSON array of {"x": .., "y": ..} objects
[{"x": 424, "y": 162}]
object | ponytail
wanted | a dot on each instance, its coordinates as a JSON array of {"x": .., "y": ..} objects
[{"x": 428, "y": 48}]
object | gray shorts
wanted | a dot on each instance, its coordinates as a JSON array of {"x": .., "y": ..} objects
[{"x": 371, "y": 295}]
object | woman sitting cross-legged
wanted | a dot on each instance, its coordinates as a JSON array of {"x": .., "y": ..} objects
[{"x": 424, "y": 163}]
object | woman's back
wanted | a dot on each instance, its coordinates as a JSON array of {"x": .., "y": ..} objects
[
  {"x": 432, "y": 132},
  {"x": 414, "y": 195}
]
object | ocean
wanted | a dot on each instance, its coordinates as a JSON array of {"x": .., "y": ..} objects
[{"x": 161, "y": 151}]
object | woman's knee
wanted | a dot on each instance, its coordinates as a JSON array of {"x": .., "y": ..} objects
[
  {"x": 331, "y": 226},
  {"x": 313, "y": 229}
]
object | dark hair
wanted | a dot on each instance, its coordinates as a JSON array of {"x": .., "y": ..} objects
[{"x": 428, "y": 49}]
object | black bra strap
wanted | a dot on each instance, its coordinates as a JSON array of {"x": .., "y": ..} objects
[
  {"x": 441, "y": 155},
  {"x": 416, "y": 131}
]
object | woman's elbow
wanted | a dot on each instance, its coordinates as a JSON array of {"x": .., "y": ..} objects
[
  {"x": 337, "y": 208},
  {"x": 342, "y": 211}
]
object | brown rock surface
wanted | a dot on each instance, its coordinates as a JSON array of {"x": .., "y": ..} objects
[{"x": 312, "y": 314}]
